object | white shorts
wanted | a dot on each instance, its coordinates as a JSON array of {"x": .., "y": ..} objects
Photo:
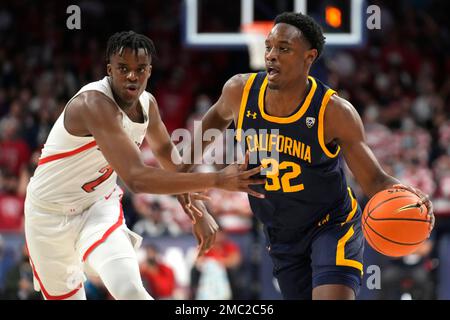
[{"x": 59, "y": 244}]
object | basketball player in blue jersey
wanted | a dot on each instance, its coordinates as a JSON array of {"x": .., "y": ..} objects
[{"x": 301, "y": 131}]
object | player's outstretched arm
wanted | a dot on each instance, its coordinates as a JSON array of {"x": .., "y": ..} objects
[
  {"x": 343, "y": 125},
  {"x": 204, "y": 226},
  {"x": 101, "y": 118},
  {"x": 167, "y": 154},
  {"x": 219, "y": 116}
]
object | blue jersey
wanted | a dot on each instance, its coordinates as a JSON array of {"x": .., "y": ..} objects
[{"x": 305, "y": 184}]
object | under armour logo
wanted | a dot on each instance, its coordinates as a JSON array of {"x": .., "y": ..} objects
[{"x": 251, "y": 114}]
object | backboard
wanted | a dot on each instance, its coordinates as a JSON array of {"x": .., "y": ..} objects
[{"x": 217, "y": 23}]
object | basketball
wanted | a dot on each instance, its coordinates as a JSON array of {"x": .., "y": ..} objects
[{"x": 393, "y": 224}]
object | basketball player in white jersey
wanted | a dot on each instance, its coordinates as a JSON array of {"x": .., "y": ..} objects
[{"x": 73, "y": 217}]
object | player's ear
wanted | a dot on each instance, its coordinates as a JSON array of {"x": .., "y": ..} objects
[
  {"x": 311, "y": 55},
  {"x": 109, "y": 69},
  {"x": 150, "y": 67}
]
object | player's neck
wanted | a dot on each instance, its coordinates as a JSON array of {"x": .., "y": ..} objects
[
  {"x": 283, "y": 101},
  {"x": 127, "y": 106},
  {"x": 124, "y": 105}
]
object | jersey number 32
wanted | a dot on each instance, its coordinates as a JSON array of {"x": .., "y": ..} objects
[{"x": 275, "y": 182}]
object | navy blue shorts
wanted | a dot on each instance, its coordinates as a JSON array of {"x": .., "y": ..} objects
[{"x": 331, "y": 252}]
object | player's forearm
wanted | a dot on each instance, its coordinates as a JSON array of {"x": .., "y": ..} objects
[
  {"x": 381, "y": 182},
  {"x": 157, "y": 181}
]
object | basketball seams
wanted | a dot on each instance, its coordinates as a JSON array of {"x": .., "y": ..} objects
[
  {"x": 365, "y": 216},
  {"x": 384, "y": 201},
  {"x": 393, "y": 241},
  {"x": 398, "y": 219},
  {"x": 368, "y": 204},
  {"x": 368, "y": 237}
]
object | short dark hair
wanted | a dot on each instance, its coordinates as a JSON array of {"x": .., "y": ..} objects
[
  {"x": 129, "y": 39},
  {"x": 310, "y": 29}
]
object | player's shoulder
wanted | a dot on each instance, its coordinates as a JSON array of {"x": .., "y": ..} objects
[
  {"x": 92, "y": 96},
  {"x": 235, "y": 85},
  {"x": 339, "y": 106},
  {"x": 341, "y": 118},
  {"x": 151, "y": 98},
  {"x": 238, "y": 81},
  {"x": 153, "y": 104},
  {"x": 92, "y": 101}
]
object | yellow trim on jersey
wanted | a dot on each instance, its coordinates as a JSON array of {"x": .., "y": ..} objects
[
  {"x": 293, "y": 117},
  {"x": 354, "y": 207},
  {"x": 244, "y": 99},
  {"x": 321, "y": 135},
  {"x": 340, "y": 252}
]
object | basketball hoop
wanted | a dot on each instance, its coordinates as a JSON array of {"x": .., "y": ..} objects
[{"x": 255, "y": 34}]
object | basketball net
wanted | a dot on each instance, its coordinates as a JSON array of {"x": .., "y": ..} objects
[{"x": 255, "y": 36}]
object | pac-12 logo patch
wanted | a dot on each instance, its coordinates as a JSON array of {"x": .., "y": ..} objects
[{"x": 310, "y": 122}]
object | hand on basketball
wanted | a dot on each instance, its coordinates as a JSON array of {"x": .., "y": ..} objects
[
  {"x": 185, "y": 201},
  {"x": 424, "y": 199},
  {"x": 237, "y": 178}
]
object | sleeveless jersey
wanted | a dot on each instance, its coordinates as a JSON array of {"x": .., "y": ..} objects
[
  {"x": 305, "y": 178},
  {"x": 72, "y": 171}
]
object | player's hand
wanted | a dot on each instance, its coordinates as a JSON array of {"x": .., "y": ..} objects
[
  {"x": 237, "y": 178},
  {"x": 185, "y": 201},
  {"x": 204, "y": 229},
  {"x": 424, "y": 199}
]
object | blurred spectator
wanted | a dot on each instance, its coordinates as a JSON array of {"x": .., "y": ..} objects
[
  {"x": 96, "y": 290},
  {"x": 231, "y": 210},
  {"x": 202, "y": 104},
  {"x": 441, "y": 168},
  {"x": 161, "y": 216},
  {"x": 413, "y": 142},
  {"x": 379, "y": 136},
  {"x": 210, "y": 281},
  {"x": 26, "y": 173},
  {"x": 14, "y": 151},
  {"x": 409, "y": 277},
  {"x": 11, "y": 204},
  {"x": 425, "y": 104},
  {"x": 175, "y": 100},
  {"x": 215, "y": 275},
  {"x": 19, "y": 284},
  {"x": 444, "y": 136},
  {"x": 417, "y": 175},
  {"x": 158, "y": 277},
  {"x": 7, "y": 260}
]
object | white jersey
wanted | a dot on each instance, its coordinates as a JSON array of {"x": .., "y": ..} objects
[{"x": 72, "y": 172}]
